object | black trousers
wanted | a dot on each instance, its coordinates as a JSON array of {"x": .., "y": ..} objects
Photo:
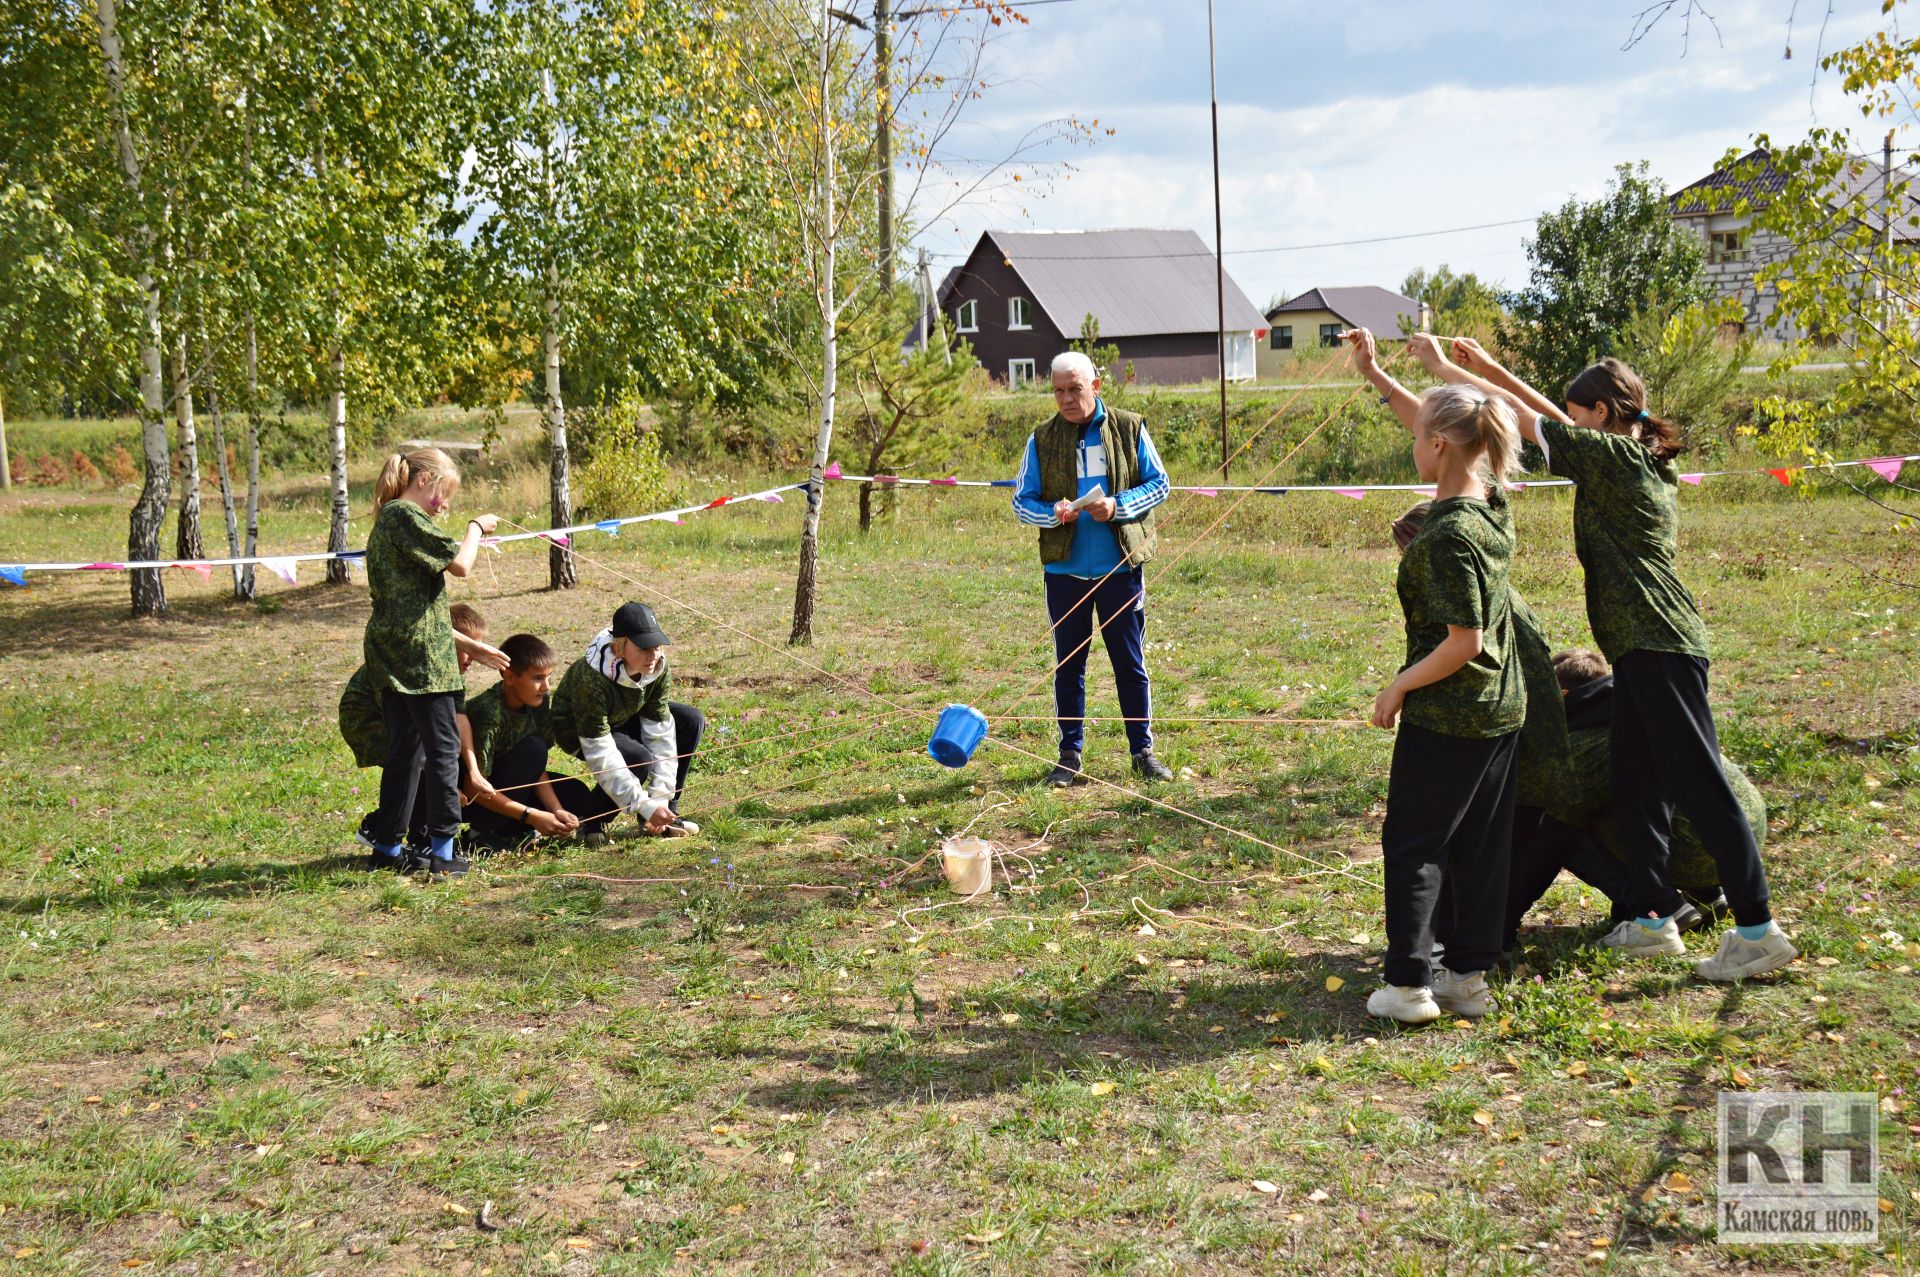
[
  {"x": 420, "y": 783},
  {"x": 516, "y": 772},
  {"x": 1449, "y": 817},
  {"x": 689, "y": 724},
  {"x": 1542, "y": 847},
  {"x": 1666, "y": 754}
]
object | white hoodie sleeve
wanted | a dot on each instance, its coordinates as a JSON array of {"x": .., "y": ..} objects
[
  {"x": 665, "y": 751},
  {"x": 616, "y": 780}
]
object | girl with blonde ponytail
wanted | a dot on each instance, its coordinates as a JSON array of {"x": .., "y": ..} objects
[
  {"x": 1459, "y": 701},
  {"x": 1665, "y": 749},
  {"x": 410, "y": 653}
]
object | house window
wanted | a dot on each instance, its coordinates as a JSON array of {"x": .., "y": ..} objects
[
  {"x": 967, "y": 318},
  {"x": 1240, "y": 366},
  {"x": 1329, "y": 334},
  {"x": 1726, "y": 246},
  {"x": 1019, "y": 313},
  {"x": 1282, "y": 337},
  {"x": 1019, "y": 373}
]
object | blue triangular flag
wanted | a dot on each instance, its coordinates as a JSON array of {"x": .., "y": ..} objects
[
  {"x": 13, "y": 574},
  {"x": 609, "y": 526}
]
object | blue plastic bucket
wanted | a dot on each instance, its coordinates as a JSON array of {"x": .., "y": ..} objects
[{"x": 958, "y": 733}]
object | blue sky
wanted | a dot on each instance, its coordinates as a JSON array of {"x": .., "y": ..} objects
[{"x": 1377, "y": 118}]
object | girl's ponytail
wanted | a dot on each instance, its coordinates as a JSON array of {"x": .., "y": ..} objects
[
  {"x": 1619, "y": 388},
  {"x": 1468, "y": 417},
  {"x": 395, "y": 477},
  {"x": 398, "y": 474}
]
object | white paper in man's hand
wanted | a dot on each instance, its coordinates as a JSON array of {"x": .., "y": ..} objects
[{"x": 1098, "y": 494}]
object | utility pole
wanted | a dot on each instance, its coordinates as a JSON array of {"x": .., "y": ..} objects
[
  {"x": 883, "y": 134},
  {"x": 1219, "y": 257},
  {"x": 1886, "y": 230}
]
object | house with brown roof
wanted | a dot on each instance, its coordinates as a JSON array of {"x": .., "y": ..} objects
[
  {"x": 1720, "y": 208},
  {"x": 1318, "y": 316},
  {"x": 1021, "y": 297}
]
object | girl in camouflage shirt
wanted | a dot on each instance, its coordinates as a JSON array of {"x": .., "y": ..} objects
[
  {"x": 1459, "y": 701},
  {"x": 410, "y": 654},
  {"x": 1665, "y": 750}
]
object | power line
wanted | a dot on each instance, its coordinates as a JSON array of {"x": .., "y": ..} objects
[{"x": 1246, "y": 252}]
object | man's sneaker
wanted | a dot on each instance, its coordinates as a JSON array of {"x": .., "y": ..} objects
[
  {"x": 401, "y": 861},
  {"x": 1066, "y": 772},
  {"x": 1689, "y": 918},
  {"x": 1636, "y": 941},
  {"x": 1462, "y": 994},
  {"x": 1739, "y": 959},
  {"x": 678, "y": 828},
  {"x": 1147, "y": 767},
  {"x": 444, "y": 866},
  {"x": 1407, "y": 1004},
  {"x": 364, "y": 834}
]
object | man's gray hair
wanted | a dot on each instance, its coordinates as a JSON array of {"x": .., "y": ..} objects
[{"x": 1073, "y": 363}]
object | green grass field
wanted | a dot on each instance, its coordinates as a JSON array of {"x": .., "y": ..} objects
[{"x": 228, "y": 1049}]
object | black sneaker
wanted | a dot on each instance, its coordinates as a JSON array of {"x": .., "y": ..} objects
[
  {"x": 443, "y": 866},
  {"x": 364, "y": 834},
  {"x": 1147, "y": 767},
  {"x": 400, "y": 861},
  {"x": 1689, "y": 918},
  {"x": 1066, "y": 772}
]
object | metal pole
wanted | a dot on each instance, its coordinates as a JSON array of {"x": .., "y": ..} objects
[
  {"x": 1219, "y": 260},
  {"x": 1886, "y": 232},
  {"x": 883, "y": 134}
]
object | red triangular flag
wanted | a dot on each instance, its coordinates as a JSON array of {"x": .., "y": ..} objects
[{"x": 1784, "y": 476}]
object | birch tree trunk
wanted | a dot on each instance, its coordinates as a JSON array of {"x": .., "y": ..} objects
[
  {"x": 561, "y": 574},
  {"x": 337, "y": 443},
  {"x": 805, "y": 587},
  {"x": 187, "y": 545},
  {"x": 243, "y": 586},
  {"x": 6, "y": 465},
  {"x": 226, "y": 485},
  {"x": 150, "y": 511}
]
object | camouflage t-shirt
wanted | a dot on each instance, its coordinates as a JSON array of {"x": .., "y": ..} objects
[
  {"x": 1540, "y": 770},
  {"x": 1588, "y": 804},
  {"x": 588, "y": 703},
  {"x": 362, "y": 724},
  {"x": 1455, "y": 573},
  {"x": 1626, "y": 516},
  {"x": 409, "y": 642},
  {"x": 497, "y": 727}
]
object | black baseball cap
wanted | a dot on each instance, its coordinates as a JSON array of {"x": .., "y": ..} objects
[{"x": 636, "y": 623}]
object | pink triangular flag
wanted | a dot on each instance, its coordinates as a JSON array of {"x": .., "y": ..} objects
[
  {"x": 558, "y": 538},
  {"x": 774, "y": 497},
  {"x": 831, "y": 472},
  {"x": 1783, "y": 475},
  {"x": 103, "y": 567},
  {"x": 205, "y": 570},
  {"x": 1887, "y": 468},
  {"x": 886, "y": 478},
  {"x": 1694, "y": 479},
  {"x": 1356, "y": 493},
  {"x": 286, "y": 568},
  {"x": 948, "y": 482},
  {"x": 1205, "y": 492}
]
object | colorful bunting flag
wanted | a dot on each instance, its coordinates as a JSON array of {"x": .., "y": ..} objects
[
  {"x": 774, "y": 497},
  {"x": 831, "y": 472},
  {"x": 949, "y": 482},
  {"x": 286, "y": 567},
  {"x": 609, "y": 526},
  {"x": 1887, "y": 468},
  {"x": 1356, "y": 493},
  {"x": 205, "y": 570},
  {"x": 1783, "y": 475},
  {"x": 1694, "y": 479},
  {"x": 13, "y": 574},
  {"x": 1204, "y": 492},
  {"x": 558, "y": 538}
]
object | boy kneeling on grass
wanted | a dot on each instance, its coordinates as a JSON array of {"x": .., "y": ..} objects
[
  {"x": 1581, "y": 833},
  {"x": 363, "y": 723},
  {"x": 611, "y": 711},
  {"x": 504, "y": 738}
]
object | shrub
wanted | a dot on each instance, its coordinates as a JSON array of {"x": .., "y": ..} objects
[
  {"x": 120, "y": 466},
  {"x": 17, "y": 468},
  {"x": 84, "y": 471},
  {"x": 48, "y": 472},
  {"x": 624, "y": 474}
]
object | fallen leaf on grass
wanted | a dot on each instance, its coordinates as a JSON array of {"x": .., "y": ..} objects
[
  {"x": 1482, "y": 1118},
  {"x": 1102, "y": 1088},
  {"x": 454, "y": 1208},
  {"x": 1680, "y": 1182},
  {"x": 1318, "y": 1195},
  {"x": 1265, "y": 1186},
  {"x": 986, "y": 1238},
  {"x": 1742, "y": 1078},
  {"x": 1577, "y": 1069},
  {"x": 1334, "y": 983},
  {"x": 1009, "y": 1018}
]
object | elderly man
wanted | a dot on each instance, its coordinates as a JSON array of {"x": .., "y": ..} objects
[{"x": 1092, "y": 552}]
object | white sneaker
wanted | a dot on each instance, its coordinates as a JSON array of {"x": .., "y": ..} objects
[
  {"x": 1739, "y": 959},
  {"x": 1462, "y": 994},
  {"x": 1636, "y": 941},
  {"x": 1407, "y": 1004}
]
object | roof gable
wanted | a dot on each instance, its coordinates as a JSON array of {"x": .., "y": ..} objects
[
  {"x": 1379, "y": 310},
  {"x": 1136, "y": 283},
  {"x": 1857, "y": 187}
]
